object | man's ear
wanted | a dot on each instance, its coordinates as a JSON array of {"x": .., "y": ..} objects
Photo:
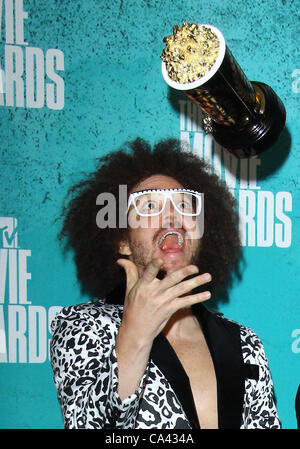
[{"x": 124, "y": 248}]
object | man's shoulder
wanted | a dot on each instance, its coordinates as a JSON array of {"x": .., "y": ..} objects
[
  {"x": 238, "y": 335},
  {"x": 251, "y": 343},
  {"x": 89, "y": 313},
  {"x": 218, "y": 317}
]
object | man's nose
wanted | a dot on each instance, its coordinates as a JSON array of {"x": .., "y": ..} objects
[{"x": 170, "y": 216}]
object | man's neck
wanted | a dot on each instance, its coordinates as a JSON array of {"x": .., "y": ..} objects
[{"x": 182, "y": 325}]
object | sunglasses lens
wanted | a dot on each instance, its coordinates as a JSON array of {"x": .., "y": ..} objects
[
  {"x": 149, "y": 203},
  {"x": 187, "y": 203}
]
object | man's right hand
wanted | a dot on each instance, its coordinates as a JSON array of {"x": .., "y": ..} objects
[{"x": 150, "y": 302}]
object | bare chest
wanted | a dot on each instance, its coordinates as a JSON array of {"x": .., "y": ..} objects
[{"x": 198, "y": 365}]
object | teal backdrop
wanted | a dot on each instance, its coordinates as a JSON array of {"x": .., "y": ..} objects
[{"x": 78, "y": 79}]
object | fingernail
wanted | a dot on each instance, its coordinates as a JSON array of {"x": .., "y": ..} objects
[
  {"x": 206, "y": 277},
  {"x": 206, "y": 295}
]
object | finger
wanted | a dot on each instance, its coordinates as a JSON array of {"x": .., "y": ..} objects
[
  {"x": 131, "y": 273},
  {"x": 177, "y": 276},
  {"x": 189, "y": 300},
  {"x": 152, "y": 270},
  {"x": 187, "y": 286}
]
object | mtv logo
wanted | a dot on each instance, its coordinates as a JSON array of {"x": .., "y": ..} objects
[{"x": 8, "y": 232}]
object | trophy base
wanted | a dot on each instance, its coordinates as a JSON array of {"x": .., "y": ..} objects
[{"x": 262, "y": 129}]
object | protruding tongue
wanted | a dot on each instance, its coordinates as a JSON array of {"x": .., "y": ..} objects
[{"x": 170, "y": 242}]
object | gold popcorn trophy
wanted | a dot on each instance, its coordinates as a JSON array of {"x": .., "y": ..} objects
[{"x": 244, "y": 117}]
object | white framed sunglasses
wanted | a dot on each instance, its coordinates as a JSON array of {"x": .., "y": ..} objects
[{"x": 152, "y": 202}]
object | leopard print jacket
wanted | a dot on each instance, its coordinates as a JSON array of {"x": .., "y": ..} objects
[{"x": 85, "y": 371}]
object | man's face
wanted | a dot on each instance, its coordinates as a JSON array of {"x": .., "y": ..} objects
[{"x": 163, "y": 236}]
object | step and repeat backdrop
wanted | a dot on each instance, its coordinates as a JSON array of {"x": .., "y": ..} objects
[{"x": 77, "y": 80}]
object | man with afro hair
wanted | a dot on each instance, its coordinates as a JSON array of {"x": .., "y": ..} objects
[{"x": 145, "y": 352}]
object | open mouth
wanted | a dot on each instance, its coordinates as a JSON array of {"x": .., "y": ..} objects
[{"x": 171, "y": 240}]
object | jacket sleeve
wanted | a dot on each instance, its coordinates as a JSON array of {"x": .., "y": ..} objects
[
  {"x": 84, "y": 363},
  {"x": 259, "y": 403}
]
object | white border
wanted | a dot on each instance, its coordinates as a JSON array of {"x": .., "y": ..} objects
[{"x": 208, "y": 75}]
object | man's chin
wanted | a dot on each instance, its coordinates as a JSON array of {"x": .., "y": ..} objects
[
  {"x": 173, "y": 260},
  {"x": 170, "y": 267}
]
